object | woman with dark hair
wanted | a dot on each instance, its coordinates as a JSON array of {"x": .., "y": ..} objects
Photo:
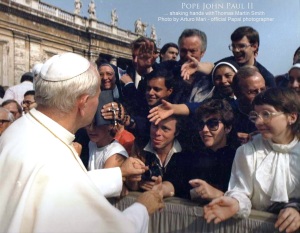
[
  {"x": 265, "y": 173},
  {"x": 205, "y": 174}
]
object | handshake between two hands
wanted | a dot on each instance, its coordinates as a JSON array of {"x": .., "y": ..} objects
[{"x": 132, "y": 169}]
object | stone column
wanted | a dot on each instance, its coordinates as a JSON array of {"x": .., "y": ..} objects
[
  {"x": 21, "y": 56},
  {"x": 35, "y": 51},
  {"x": 4, "y": 64}
]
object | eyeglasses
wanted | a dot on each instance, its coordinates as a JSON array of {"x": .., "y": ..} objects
[
  {"x": 239, "y": 47},
  {"x": 28, "y": 102},
  {"x": 4, "y": 121},
  {"x": 264, "y": 115},
  {"x": 212, "y": 124}
]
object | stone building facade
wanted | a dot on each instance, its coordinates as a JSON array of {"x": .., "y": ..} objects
[{"x": 32, "y": 31}]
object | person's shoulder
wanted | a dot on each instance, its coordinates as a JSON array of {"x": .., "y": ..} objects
[
  {"x": 226, "y": 59},
  {"x": 263, "y": 70},
  {"x": 168, "y": 65},
  {"x": 116, "y": 148},
  {"x": 256, "y": 143}
]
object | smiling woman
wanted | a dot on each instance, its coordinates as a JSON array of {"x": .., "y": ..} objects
[
  {"x": 265, "y": 173},
  {"x": 204, "y": 174}
]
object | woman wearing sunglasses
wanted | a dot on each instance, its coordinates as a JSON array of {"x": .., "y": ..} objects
[
  {"x": 205, "y": 174},
  {"x": 266, "y": 172}
]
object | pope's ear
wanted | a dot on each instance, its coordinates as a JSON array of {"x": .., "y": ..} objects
[{"x": 82, "y": 101}]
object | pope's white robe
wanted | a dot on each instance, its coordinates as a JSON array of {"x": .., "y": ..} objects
[{"x": 44, "y": 187}]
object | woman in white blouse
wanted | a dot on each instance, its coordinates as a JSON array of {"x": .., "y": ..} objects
[{"x": 266, "y": 170}]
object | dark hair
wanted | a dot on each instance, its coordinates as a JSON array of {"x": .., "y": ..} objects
[
  {"x": 100, "y": 61},
  {"x": 243, "y": 73},
  {"x": 223, "y": 110},
  {"x": 282, "y": 99},
  {"x": 162, "y": 73},
  {"x": 218, "y": 107},
  {"x": 136, "y": 44},
  {"x": 2, "y": 91},
  {"x": 31, "y": 92},
  {"x": 179, "y": 123},
  {"x": 251, "y": 34},
  {"x": 166, "y": 46},
  {"x": 28, "y": 76},
  {"x": 6, "y": 102},
  {"x": 194, "y": 32},
  {"x": 297, "y": 51}
]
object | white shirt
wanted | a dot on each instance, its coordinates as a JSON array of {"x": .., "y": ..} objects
[
  {"x": 17, "y": 92},
  {"x": 44, "y": 186},
  {"x": 263, "y": 173},
  {"x": 176, "y": 148},
  {"x": 99, "y": 155}
]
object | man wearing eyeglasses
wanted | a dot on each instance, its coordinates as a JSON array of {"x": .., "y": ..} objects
[
  {"x": 244, "y": 46},
  {"x": 6, "y": 118},
  {"x": 247, "y": 83},
  {"x": 29, "y": 101}
]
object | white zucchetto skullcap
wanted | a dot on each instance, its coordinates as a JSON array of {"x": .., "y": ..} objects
[
  {"x": 37, "y": 68},
  {"x": 63, "y": 67}
]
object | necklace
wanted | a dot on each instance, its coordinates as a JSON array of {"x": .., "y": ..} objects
[{"x": 75, "y": 156}]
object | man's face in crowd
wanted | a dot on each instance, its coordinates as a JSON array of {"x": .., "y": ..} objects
[
  {"x": 4, "y": 122},
  {"x": 163, "y": 135},
  {"x": 170, "y": 54},
  {"x": 144, "y": 57},
  {"x": 190, "y": 46},
  {"x": 12, "y": 107},
  {"x": 243, "y": 51},
  {"x": 28, "y": 103},
  {"x": 156, "y": 91},
  {"x": 250, "y": 87}
]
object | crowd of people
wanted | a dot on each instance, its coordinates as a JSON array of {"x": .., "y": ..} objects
[{"x": 223, "y": 134}]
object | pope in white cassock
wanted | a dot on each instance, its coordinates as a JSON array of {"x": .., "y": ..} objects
[{"x": 44, "y": 186}]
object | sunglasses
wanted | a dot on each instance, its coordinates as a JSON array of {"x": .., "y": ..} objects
[{"x": 212, "y": 124}]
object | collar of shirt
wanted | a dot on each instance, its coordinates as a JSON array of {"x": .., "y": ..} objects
[
  {"x": 176, "y": 148},
  {"x": 53, "y": 127}
]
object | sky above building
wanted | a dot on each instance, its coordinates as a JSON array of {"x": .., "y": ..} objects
[{"x": 277, "y": 21}]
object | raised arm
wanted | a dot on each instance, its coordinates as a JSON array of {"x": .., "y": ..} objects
[
  {"x": 167, "y": 109},
  {"x": 193, "y": 65}
]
